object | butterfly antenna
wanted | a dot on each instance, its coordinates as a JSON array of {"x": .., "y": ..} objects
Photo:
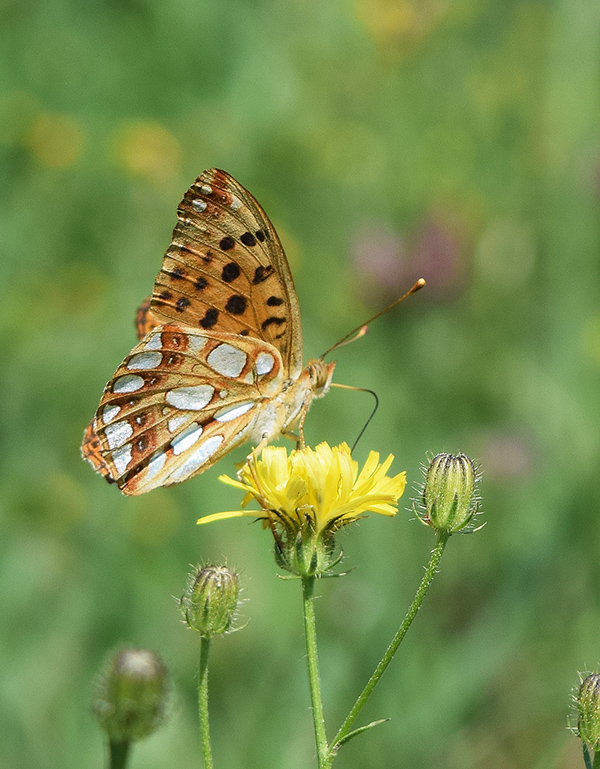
[
  {"x": 361, "y": 330},
  {"x": 371, "y": 415}
]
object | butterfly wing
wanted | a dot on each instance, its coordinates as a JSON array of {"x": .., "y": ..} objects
[
  {"x": 91, "y": 449},
  {"x": 145, "y": 321},
  {"x": 225, "y": 270},
  {"x": 173, "y": 407},
  {"x": 178, "y": 402}
]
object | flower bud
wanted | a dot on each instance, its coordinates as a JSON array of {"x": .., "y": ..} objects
[
  {"x": 210, "y": 600},
  {"x": 449, "y": 499},
  {"x": 131, "y": 695},
  {"x": 588, "y": 709}
]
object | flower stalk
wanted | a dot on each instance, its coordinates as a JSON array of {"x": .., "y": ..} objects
[
  {"x": 203, "y": 702},
  {"x": 312, "y": 661},
  {"x": 345, "y": 733},
  {"x": 118, "y": 752}
]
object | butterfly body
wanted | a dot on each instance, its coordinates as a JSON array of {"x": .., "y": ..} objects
[
  {"x": 284, "y": 411},
  {"x": 220, "y": 360}
]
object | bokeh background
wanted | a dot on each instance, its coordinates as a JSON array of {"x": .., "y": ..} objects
[{"x": 387, "y": 140}]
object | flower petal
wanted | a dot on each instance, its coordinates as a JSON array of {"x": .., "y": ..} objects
[
  {"x": 229, "y": 514},
  {"x": 325, "y": 481}
]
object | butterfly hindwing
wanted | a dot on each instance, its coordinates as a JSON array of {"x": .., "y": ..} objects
[
  {"x": 177, "y": 402},
  {"x": 145, "y": 321},
  {"x": 91, "y": 449}
]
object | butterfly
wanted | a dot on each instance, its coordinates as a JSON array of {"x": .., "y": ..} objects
[{"x": 219, "y": 361}]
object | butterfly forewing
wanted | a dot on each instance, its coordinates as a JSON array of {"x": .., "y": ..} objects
[
  {"x": 178, "y": 401},
  {"x": 226, "y": 271},
  {"x": 145, "y": 321}
]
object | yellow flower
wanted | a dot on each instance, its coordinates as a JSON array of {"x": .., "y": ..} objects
[{"x": 310, "y": 494}]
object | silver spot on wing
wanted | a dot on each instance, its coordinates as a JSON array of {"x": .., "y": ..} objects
[
  {"x": 227, "y": 360},
  {"x": 117, "y": 433},
  {"x": 128, "y": 384},
  {"x": 144, "y": 360},
  {"x": 190, "y": 398}
]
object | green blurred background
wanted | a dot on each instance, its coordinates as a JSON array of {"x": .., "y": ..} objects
[{"x": 387, "y": 140}]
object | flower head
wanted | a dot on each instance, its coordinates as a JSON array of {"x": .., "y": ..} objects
[{"x": 308, "y": 495}]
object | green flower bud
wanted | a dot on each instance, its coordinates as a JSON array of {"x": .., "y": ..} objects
[
  {"x": 588, "y": 709},
  {"x": 131, "y": 695},
  {"x": 210, "y": 600},
  {"x": 449, "y": 499}
]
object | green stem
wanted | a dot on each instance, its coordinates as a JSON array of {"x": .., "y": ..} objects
[
  {"x": 310, "y": 633},
  {"x": 432, "y": 567},
  {"x": 596, "y": 763},
  {"x": 203, "y": 702},
  {"x": 119, "y": 752}
]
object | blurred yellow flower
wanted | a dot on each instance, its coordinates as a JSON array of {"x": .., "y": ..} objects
[
  {"x": 322, "y": 485},
  {"x": 56, "y": 140},
  {"x": 148, "y": 150}
]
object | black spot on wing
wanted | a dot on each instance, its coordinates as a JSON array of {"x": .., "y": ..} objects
[
  {"x": 230, "y": 272},
  {"x": 236, "y": 304},
  {"x": 262, "y": 273},
  {"x": 260, "y": 235},
  {"x": 182, "y": 303},
  {"x": 201, "y": 283},
  {"x": 274, "y": 301},
  {"x": 273, "y": 321},
  {"x": 210, "y": 318},
  {"x": 226, "y": 243},
  {"x": 248, "y": 239}
]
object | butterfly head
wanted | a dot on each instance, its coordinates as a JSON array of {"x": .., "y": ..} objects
[{"x": 320, "y": 375}]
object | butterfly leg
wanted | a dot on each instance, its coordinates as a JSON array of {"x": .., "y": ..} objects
[
  {"x": 292, "y": 436},
  {"x": 299, "y": 435},
  {"x": 303, "y": 413}
]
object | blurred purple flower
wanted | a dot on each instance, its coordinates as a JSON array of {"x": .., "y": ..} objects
[
  {"x": 387, "y": 264},
  {"x": 379, "y": 259},
  {"x": 505, "y": 455},
  {"x": 435, "y": 255}
]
